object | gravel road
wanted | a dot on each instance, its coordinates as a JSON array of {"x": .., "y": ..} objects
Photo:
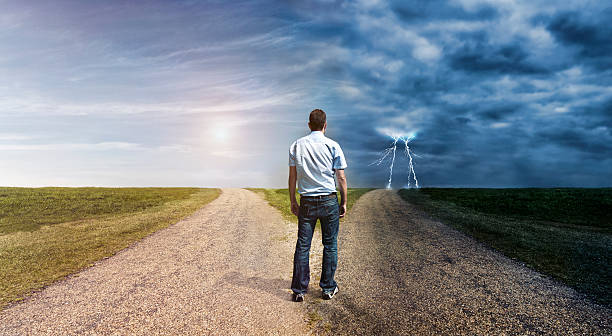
[
  {"x": 401, "y": 273},
  {"x": 226, "y": 269}
]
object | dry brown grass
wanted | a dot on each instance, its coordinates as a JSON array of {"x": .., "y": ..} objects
[{"x": 32, "y": 259}]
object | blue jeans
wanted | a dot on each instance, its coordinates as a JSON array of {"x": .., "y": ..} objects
[{"x": 328, "y": 212}]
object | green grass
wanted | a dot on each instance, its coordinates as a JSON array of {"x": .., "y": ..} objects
[
  {"x": 27, "y": 209},
  {"x": 565, "y": 233},
  {"x": 48, "y": 233},
  {"x": 279, "y": 198}
]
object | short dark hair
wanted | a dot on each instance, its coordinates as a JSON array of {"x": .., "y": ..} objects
[{"x": 317, "y": 120}]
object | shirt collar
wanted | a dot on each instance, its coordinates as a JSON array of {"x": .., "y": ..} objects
[{"x": 316, "y": 133}]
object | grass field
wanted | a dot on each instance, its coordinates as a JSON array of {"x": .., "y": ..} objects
[
  {"x": 565, "y": 233},
  {"x": 279, "y": 198},
  {"x": 48, "y": 233}
]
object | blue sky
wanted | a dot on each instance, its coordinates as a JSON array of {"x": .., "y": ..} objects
[{"x": 212, "y": 93}]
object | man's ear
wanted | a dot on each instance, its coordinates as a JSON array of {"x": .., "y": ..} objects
[{"x": 309, "y": 126}]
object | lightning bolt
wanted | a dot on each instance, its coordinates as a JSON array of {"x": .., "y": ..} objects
[
  {"x": 410, "y": 165},
  {"x": 391, "y": 151}
]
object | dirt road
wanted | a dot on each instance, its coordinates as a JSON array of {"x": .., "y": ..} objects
[
  {"x": 224, "y": 270},
  {"x": 401, "y": 273},
  {"x": 227, "y": 269}
]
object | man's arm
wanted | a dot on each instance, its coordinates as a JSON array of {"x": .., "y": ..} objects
[
  {"x": 295, "y": 208},
  {"x": 343, "y": 190}
]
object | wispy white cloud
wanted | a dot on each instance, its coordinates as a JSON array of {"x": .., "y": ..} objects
[
  {"x": 72, "y": 146},
  {"x": 233, "y": 154},
  {"x": 99, "y": 146},
  {"x": 9, "y": 136},
  {"x": 500, "y": 125}
]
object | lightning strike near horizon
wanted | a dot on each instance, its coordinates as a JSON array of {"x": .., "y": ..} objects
[
  {"x": 390, "y": 151},
  {"x": 411, "y": 166},
  {"x": 384, "y": 155},
  {"x": 395, "y": 139}
]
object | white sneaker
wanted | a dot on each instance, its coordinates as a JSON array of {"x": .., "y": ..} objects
[
  {"x": 298, "y": 297},
  {"x": 330, "y": 295}
]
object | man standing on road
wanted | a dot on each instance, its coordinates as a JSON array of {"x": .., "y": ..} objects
[{"x": 314, "y": 160}]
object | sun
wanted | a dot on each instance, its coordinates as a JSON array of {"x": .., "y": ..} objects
[{"x": 220, "y": 133}]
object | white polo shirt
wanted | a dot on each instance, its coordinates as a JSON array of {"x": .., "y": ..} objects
[{"x": 316, "y": 157}]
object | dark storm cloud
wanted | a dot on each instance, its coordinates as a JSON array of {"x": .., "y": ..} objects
[
  {"x": 499, "y": 113},
  {"x": 601, "y": 116},
  {"x": 496, "y": 94},
  {"x": 508, "y": 59},
  {"x": 577, "y": 139},
  {"x": 419, "y": 11},
  {"x": 592, "y": 35},
  {"x": 412, "y": 86}
]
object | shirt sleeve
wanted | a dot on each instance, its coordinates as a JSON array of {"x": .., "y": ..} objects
[
  {"x": 339, "y": 160},
  {"x": 292, "y": 155}
]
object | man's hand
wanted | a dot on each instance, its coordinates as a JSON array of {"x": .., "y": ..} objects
[
  {"x": 295, "y": 208},
  {"x": 342, "y": 210}
]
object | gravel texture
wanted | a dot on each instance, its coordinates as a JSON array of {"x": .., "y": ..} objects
[
  {"x": 226, "y": 269},
  {"x": 401, "y": 273}
]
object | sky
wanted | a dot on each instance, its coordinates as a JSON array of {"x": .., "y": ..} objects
[{"x": 498, "y": 93}]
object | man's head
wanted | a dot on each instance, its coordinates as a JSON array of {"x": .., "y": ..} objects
[{"x": 317, "y": 120}]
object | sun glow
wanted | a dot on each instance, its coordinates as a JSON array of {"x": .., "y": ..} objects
[{"x": 220, "y": 133}]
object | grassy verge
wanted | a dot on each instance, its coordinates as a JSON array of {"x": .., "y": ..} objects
[
  {"x": 279, "y": 198},
  {"x": 48, "y": 233},
  {"x": 565, "y": 233}
]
